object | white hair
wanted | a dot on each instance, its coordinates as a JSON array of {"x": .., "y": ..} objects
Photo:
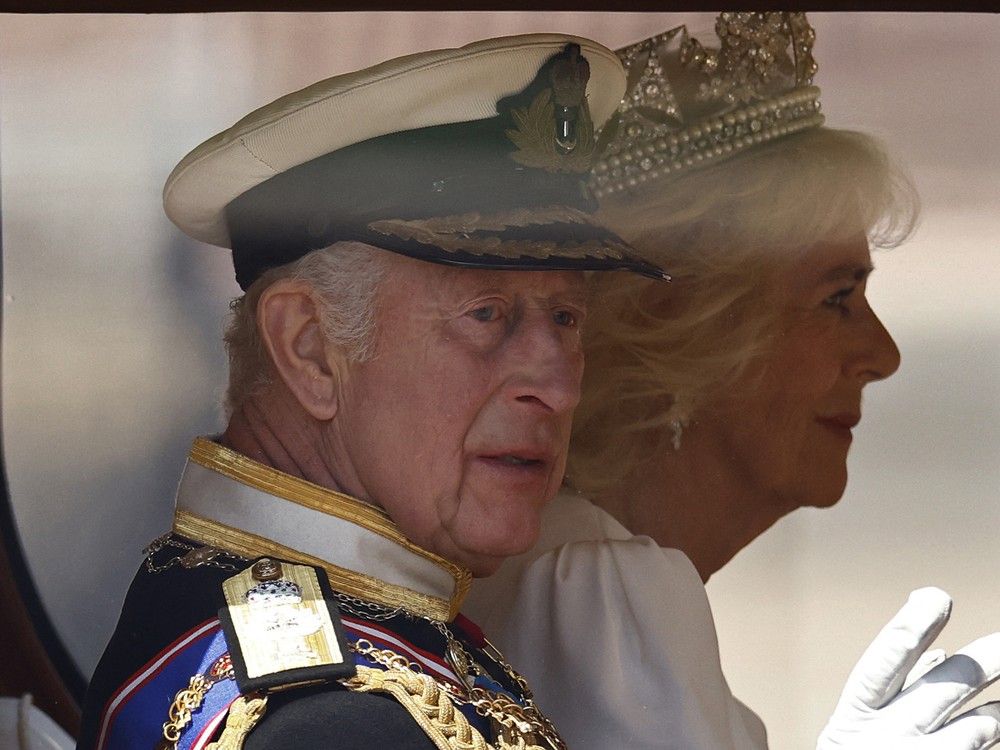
[
  {"x": 658, "y": 352},
  {"x": 345, "y": 275}
]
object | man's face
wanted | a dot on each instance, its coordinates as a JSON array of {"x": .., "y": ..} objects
[{"x": 459, "y": 425}]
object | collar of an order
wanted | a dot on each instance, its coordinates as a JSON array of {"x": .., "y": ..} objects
[{"x": 236, "y": 504}]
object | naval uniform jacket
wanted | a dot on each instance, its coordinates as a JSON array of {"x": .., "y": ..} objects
[{"x": 231, "y": 510}]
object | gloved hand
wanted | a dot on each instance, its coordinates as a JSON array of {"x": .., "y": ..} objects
[{"x": 875, "y": 713}]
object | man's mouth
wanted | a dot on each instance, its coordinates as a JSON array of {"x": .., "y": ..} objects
[
  {"x": 518, "y": 460},
  {"x": 521, "y": 458}
]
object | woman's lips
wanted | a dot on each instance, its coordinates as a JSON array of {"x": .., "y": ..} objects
[{"x": 840, "y": 424}]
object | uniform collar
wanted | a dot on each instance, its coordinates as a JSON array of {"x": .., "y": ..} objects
[{"x": 231, "y": 502}]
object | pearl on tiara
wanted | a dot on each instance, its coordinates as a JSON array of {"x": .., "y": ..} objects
[{"x": 691, "y": 106}]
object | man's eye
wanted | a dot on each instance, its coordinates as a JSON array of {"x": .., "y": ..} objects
[
  {"x": 485, "y": 314},
  {"x": 564, "y": 318}
]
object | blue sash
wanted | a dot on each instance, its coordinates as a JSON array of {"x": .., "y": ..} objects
[{"x": 135, "y": 715}]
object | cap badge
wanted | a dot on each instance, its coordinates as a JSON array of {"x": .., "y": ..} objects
[{"x": 556, "y": 132}]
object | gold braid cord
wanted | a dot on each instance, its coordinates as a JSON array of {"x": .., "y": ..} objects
[
  {"x": 430, "y": 707},
  {"x": 457, "y": 234},
  {"x": 243, "y": 716}
]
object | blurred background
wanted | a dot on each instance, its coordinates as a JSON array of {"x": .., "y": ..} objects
[{"x": 112, "y": 357}]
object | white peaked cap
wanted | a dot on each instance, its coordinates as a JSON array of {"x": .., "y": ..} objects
[{"x": 407, "y": 93}]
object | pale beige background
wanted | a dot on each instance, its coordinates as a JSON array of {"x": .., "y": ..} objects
[{"x": 111, "y": 355}]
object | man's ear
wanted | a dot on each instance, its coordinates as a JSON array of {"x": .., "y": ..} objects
[{"x": 288, "y": 318}]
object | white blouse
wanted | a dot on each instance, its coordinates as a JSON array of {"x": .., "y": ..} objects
[{"x": 615, "y": 636}]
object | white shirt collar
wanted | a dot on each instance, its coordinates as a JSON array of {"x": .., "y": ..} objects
[{"x": 231, "y": 502}]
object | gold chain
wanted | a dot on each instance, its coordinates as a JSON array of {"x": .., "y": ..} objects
[
  {"x": 524, "y": 720},
  {"x": 185, "y": 702},
  {"x": 193, "y": 556},
  {"x": 384, "y": 656},
  {"x": 378, "y": 612},
  {"x": 540, "y": 723},
  {"x": 190, "y": 698}
]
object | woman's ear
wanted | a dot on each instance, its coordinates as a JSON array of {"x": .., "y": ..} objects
[{"x": 289, "y": 321}]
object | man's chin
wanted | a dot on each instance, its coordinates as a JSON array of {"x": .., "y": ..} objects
[
  {"x": 485, "y": 555},
  {"x": 485, "y": 559},
  {"x": 486, "y": 566}
]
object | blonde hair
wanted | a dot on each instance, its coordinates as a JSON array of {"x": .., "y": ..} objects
[
  {"x": 346, "y": 275},
  {"x": 657, "y": 352}
]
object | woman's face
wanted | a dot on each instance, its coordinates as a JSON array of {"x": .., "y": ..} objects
[{"x": 786, "y": 426}]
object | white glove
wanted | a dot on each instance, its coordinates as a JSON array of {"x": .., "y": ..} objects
[{"x": 875, "y": 714}]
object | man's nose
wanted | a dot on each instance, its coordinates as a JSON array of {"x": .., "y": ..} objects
[{"x": 546, "y": 364}]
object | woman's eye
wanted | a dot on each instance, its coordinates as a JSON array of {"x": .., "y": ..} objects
[
  {"x": 485, "y": 314},
  {"x": 839, "y": 298},
  {"x": 564, "y": 318}
]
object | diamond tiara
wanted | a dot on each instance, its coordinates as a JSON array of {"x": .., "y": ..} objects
[{"x": 688, "y": 106}]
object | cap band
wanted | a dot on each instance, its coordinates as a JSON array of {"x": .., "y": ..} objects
[{"x": 438, "y": 171}]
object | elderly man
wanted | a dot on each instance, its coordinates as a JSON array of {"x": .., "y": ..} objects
[{"x": 396, "y": 424}]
